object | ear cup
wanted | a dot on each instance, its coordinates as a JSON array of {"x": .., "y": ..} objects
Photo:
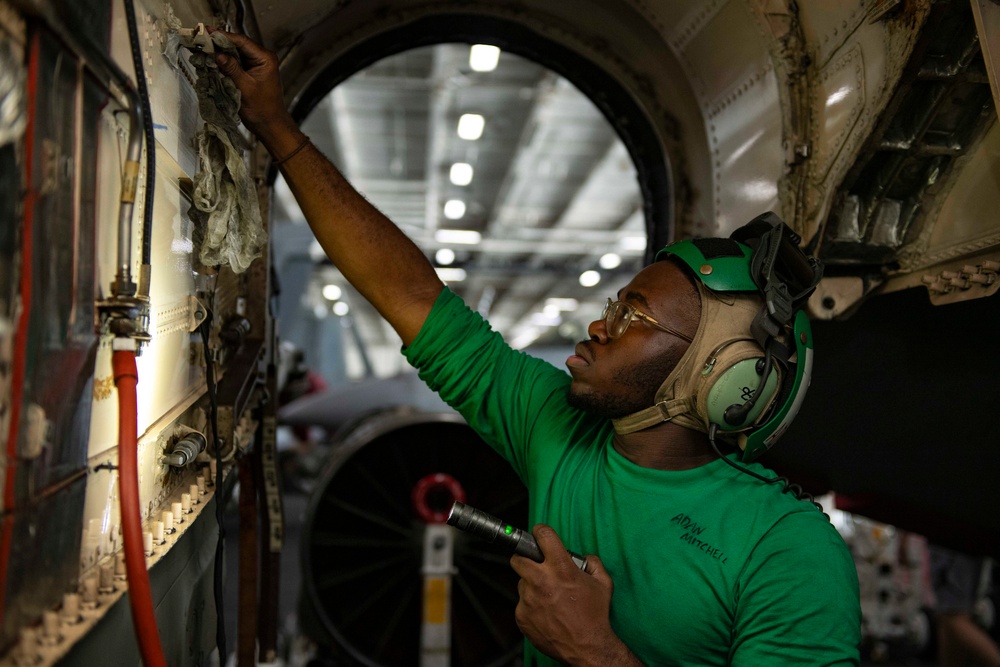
[{"x": 732, "y": 388}]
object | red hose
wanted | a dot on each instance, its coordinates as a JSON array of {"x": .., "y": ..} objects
[
  {"x": 140, "y": 597},
  {"x": 24, "y": 320}
]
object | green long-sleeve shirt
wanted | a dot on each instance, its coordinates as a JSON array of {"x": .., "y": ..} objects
[{"x": 710, "y": 566}]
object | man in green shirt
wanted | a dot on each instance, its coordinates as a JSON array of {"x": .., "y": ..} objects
[{"x": 698, "y": 561}]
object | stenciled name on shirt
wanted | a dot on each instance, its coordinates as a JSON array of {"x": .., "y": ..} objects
[{"x": 692, "y": 535}]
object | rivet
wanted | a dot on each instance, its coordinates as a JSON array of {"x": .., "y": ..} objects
[
  {"x": 803, "y": 338},
  {"x": 705, "y": 269}
]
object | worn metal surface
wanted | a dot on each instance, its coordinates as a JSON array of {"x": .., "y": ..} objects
[
  {"x": 70, "y": 415},
  {"x": 987, "y": 15},
  {"x": 53, "y": 345}
]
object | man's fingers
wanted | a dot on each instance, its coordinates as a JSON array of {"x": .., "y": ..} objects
[
  {"x": 228, "y": 65},
  {"x": 552, "y": 549},
  {"x": 520, "y": 564},
  {"x": 596, "y": 569},
  {"x": 253, "y": 53},
  {"x": 550, "y": 544},
  {"x": 242, "y": 43}
]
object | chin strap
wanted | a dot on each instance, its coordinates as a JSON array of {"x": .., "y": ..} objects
[{"x": 663, "y": 411}]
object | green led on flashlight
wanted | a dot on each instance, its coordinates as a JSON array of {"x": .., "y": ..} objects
[{"x": 489, "y": 527}]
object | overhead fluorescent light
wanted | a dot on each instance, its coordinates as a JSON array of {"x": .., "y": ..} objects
[
  {"x": 332, "y": 292},
  {"x": 633, "y": 243},
  {"x": 454, "y": 209},
  {"x": 470, "y": 126},
  {"x": 544, "y": 320},
  {"x": 610, "y": 261},
  {"x": 341, "y": 308},
  {"x": 590, "y": 278},
  {"x": 484, "y": 57},
  {"x": 564, "y": 304},
  {"x": 461, "y": 236},
  {"x": 444, "y": 256},
  {"x": 461, "y": 173},
  {"x": 449, "y": 275},
  {"x": 320, "y": 311}
]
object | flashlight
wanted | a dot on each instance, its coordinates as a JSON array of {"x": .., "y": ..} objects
[{"x": 493, "y": 530}]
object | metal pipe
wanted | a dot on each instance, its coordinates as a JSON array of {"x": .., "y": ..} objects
[
  {"x": 124, "y": 285},
  {"x": 145, "y": 269},
  {"x": 120, "y": 87}
]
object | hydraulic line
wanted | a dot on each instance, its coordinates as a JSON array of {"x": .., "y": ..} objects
[
  {"x": 147, "y": 123},
  {"x": 118, "y": 85},
  {"x": 124, "y": 284},
  {"x": 140, "y": 597}
]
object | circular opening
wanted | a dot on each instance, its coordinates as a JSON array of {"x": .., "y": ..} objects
[
  {"x": 534, "y": 203},
  {"x": 613, "y": 99}
]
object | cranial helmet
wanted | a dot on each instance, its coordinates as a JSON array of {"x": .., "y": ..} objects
[{"x": 749, "y": 366}]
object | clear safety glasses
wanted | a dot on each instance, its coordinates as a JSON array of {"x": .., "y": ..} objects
[{"x": 618, "y": 315}]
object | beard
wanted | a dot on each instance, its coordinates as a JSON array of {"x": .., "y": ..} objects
[{"x": 634, "y": 389}]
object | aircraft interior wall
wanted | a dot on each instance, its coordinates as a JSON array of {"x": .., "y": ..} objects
[
  {"x": 872, "y": 134},
  {"x": 62, "y": 526}
]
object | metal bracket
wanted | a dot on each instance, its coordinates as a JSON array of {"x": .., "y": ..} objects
[
  {"x": 125, "y": 316},
  {"x": 197, "y": 313}
]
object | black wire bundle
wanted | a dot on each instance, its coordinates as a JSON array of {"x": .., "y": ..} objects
[
  {"x": 147, "y": 115},
  {"x": 220, "y": 628}
]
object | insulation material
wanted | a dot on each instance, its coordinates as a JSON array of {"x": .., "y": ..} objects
[
  {"x": 13, "y": 117},
  {"x": 229, "y": 227},
  {"x": 13, "y": 120},
  {"x": 47, "y": 245}
]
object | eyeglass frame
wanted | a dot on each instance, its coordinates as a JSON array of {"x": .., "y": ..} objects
[{"x": 634, "y": 313}]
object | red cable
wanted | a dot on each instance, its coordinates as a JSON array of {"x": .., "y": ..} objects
[
  {"x": 140, "y": 597},
  {"x": 21, "y": 335}
]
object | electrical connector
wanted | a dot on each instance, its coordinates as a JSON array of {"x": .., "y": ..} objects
[
  {"x": 196, "y": 39},
  {"x": 185, "y": 450}
]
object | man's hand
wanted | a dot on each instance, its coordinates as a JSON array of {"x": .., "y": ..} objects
[
  {"x": 564, "y": 612},
  {"x": 370, "y": 251},
  {"x": 262, "y": 104}
]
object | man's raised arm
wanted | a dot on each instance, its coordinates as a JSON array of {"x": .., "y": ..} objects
[{"x": 372, "y": 253}]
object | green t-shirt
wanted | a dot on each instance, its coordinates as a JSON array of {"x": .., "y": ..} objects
[{"x": 710, "y": 566}]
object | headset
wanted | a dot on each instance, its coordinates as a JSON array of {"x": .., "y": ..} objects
[{"x": 754, "y": 379}]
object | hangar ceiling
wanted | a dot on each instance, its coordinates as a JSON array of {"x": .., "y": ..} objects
[{"x": 553, "y": 191}]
